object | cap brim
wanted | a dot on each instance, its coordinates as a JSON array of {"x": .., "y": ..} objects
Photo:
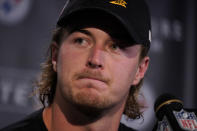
[{"x": 99, "y": 17}]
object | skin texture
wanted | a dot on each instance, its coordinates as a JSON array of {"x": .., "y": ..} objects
[{"x": 94, "y": 76}]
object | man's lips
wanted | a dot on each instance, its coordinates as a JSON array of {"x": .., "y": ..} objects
[{"x": 93, "y": 78}]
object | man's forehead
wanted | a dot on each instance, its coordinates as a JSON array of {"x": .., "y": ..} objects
[{"x": 114, "y": 35}]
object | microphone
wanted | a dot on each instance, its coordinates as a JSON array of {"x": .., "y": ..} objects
[{"x": 172, "y": 116}]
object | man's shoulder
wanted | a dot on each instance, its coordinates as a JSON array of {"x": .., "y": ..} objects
[
  {"x": 32, "y": 122},
  {"x": 123, "y": 127}
]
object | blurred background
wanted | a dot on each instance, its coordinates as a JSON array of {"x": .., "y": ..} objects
[{"x": 25, "y": 32}]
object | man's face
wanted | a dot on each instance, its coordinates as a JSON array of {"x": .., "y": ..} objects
[{"x": 93, "y": 71}]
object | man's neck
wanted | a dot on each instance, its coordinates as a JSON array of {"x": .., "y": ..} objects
[{"x": 57, "y": 118}]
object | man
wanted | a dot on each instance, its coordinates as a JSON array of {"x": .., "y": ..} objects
[{"x": 97, "y": 64}]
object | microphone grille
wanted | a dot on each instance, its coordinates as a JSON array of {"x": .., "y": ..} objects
[{"x": 167, "y": 99}]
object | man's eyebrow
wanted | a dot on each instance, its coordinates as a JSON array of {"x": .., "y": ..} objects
[{"x": 84, "y": 31}]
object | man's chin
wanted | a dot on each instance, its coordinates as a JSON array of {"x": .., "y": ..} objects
[{"x": 90, "y": 102}]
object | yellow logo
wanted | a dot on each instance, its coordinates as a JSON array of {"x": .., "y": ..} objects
[{"x": 119, "y": 2}]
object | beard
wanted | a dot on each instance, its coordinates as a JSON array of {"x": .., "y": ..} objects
[{"x": 88, "y": 101}]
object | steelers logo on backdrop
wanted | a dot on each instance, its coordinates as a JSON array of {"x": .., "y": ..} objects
[{"x": 13, "y": 11}]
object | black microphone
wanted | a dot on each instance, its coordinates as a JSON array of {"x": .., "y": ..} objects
[{"x": 172, "y": 116}]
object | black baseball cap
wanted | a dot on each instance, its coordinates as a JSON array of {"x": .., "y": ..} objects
[{"x": 130, "y": 15}]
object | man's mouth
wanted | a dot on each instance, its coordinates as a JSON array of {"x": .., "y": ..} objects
[{"x": 92, "y": 77}]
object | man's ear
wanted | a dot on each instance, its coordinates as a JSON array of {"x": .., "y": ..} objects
[
  {"x": 54, "y": 55},
  {"x": 142, "y": 68}
]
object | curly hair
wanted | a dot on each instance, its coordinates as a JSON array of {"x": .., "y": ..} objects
[{"x": 47, "y": 83}]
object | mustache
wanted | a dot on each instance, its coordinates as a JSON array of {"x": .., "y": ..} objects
[{"x": 97, "y": 75}]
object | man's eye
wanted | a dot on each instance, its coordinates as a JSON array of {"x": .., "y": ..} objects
[
  {"x": 114, "y": 46},
  {"x": 80, "y": 41}
]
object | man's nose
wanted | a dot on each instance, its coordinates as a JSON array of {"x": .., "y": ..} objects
[{"x": 96, "y": 58}]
